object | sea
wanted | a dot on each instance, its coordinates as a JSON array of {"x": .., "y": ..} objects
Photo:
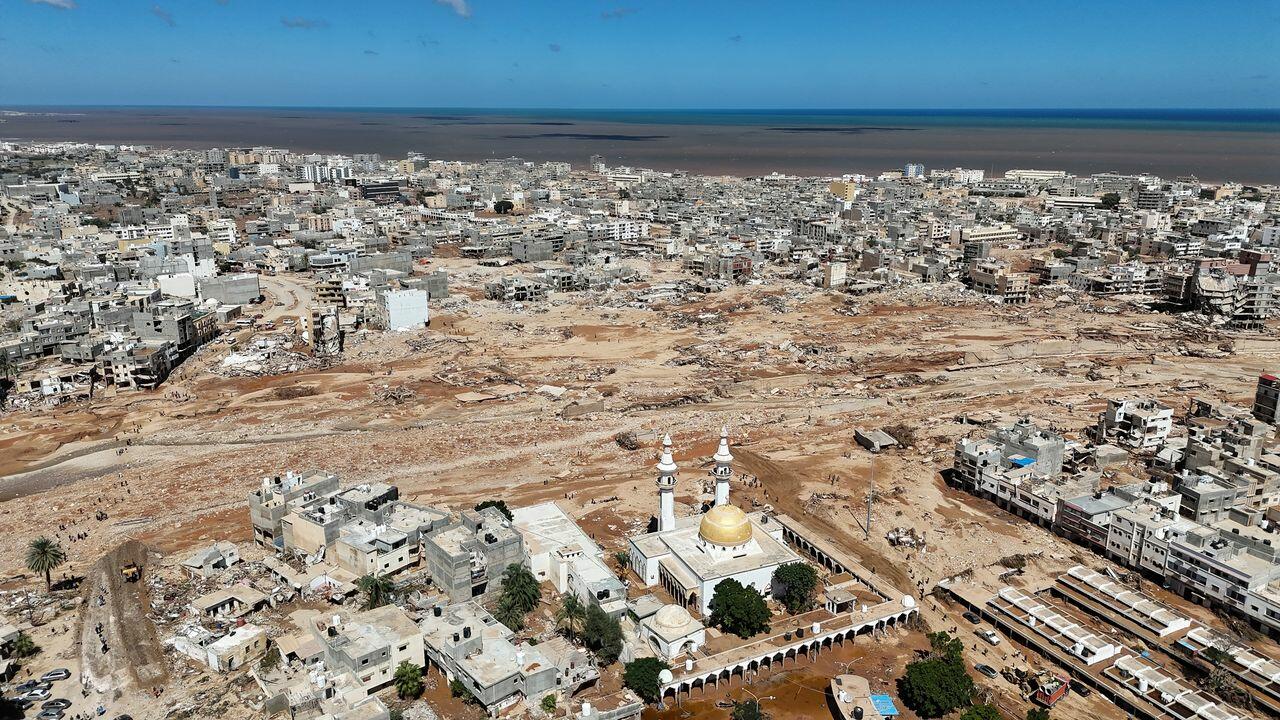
[{"x": 1213, "y": 145}]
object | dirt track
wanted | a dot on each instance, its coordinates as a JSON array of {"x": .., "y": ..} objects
[{"x": 133, "y": 659}]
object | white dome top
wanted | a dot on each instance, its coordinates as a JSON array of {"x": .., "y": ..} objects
[{"x": 672, "y": 617}]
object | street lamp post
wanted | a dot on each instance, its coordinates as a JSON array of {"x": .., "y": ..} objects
[{"x": 757, "y": 699}]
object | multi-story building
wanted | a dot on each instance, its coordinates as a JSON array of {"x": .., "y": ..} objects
[
  {"x": 470, "y": 646},
  {"x": 466, "y": 558},
  {"x": 1228, "y": 570},
  {"x": 370, "y": 644},
  {"x": 1267, "y": 398},
  {"x": 1138, "y": 424},
  {"x": 992, "y": 277}
]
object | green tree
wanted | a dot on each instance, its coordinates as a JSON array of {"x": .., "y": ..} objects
[
  {"x": 796, "y": 585},
  {"x": 502, "y": 207},
  {"x": 500, "y": 504},
  {"x": 8, "y": 371},
  {"x": 548, "y": 704},
  {"x": 1215, "y": 655},
  {"x": 623, "y": 559},
  {"x": 738, "y": 609},
  {"x": 408, "y": 680},
  {"x": 10, "y": 710},
  {"x": 509, "y": 614},
  {"x": 643, "y": 677},
  {"x": 1111, "y": 200},
  {"x": 43, "y": 556},
  {"x": 377, "y": 591},
  {"x": 748, "y": 710},
  {"x": 519, "y": 595},
  {"x": 943, "y": 646},
  {"x": 935, "y": 686},
  {"x": 458, "y": 690},
  {"x": 271, "y": 660},
  {"x": 981, "y": 712},
  {"x": 95, "y": 376},
  {"x": 571, "y": 615},
  {"x": 1037, "y": 714},
  {"x": 21, "y": 646},
  {"x": 519, "y": 584},
  {"x": 603, "y": 635}
]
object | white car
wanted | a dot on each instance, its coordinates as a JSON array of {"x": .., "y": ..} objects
[
  {"x": 990, "y": 636},
  {"x": 38, "y": 694}
]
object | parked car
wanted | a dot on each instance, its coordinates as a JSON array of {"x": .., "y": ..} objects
[
  {"x": 989, "y": 636},
  {"x": 59, "y": 703},
  {"x": 27, "y": 686},
  {"x": 59, "y": 674},
  {"x": 1081, "y": 689},
  {"x": 986, "y": 670},
  {"x": 51, "y": 714},
  {"x": 40, "y": 693},
  {"x": 22, "y": 701},
  {"x": 972, "y": 617}
]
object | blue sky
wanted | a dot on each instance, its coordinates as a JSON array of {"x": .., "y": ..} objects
[{"x": 642, "y": 53}]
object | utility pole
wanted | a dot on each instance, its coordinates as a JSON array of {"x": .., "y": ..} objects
[{"x": 871, "y": 497}]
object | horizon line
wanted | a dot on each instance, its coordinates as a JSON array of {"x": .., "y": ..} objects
[{"x": 653, "y": 109}]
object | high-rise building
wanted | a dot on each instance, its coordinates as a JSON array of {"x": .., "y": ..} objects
[
  {"x": 913, "y": 170},
  {"x": 1268, "y": 396}
]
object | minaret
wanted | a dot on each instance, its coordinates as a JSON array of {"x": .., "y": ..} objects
[
  {"x": 722, "y": 471},
  {"x": 666, "y": 487}
]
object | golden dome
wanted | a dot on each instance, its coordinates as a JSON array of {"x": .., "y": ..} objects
[{"x": 725, "y": 525}]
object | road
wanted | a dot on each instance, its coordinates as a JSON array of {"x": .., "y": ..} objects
[{"x": 295, "y": 296}]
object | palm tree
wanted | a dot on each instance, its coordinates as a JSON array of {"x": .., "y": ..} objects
[
  {"x": 8, "y": 370},
  {"x": 94, "y": 377},
  {"x": 571, "y": 615},
  {"x": 408, "y": 680},
  {"x": 43, "y": 555},
  {"x": 377, "y": 590},
  {"x": 521, "y": 587},
  {"x": 508, "y": 614}
]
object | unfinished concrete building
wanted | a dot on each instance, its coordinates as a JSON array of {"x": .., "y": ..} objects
[
  {"x": 516, "y": 289},
  {"x": 466, "y": 557},
  {"x": 1267, "y": 398},
  {"x": 280, "y": 495},
  {"x": 1139, "y": 424}
]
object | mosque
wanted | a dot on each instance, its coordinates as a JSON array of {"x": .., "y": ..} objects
[{"x": 689, "y": 556}]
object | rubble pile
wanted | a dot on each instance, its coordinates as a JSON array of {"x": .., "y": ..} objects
[
  {"x": 272, "y": 361},
  {"x": 392, "y": 394}
]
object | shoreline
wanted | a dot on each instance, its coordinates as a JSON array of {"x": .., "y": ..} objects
[{"x": 817, "y": 146}]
